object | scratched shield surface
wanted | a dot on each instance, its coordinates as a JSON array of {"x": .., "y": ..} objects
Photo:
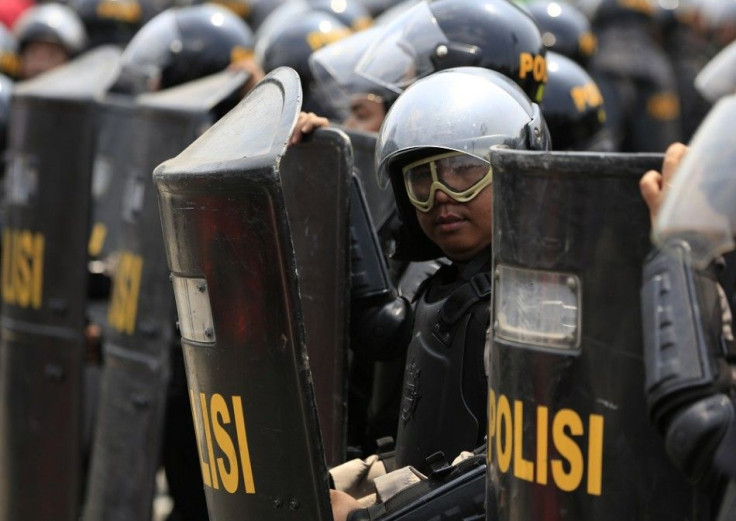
[{"x": 569, "y": 434}]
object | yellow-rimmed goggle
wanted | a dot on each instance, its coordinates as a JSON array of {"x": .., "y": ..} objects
[{"x": 461, "y": 176}]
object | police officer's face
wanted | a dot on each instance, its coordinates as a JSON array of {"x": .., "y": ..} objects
[
  {"x": 38, "y": 57},
  {"x": 461, "y": 230},
  {"x": 366, "y": 113}
]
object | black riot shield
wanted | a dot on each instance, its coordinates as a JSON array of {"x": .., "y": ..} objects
[
  {"x": 140, "y": 322},
  {"x": 244, "y": 223},
  {"x": 51, "y": 140},
  {"x": 116, "y": 139},
  {"x": 568, "y": 429}
]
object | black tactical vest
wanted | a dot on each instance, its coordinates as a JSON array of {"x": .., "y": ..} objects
[{"x": 443, "y": 405}]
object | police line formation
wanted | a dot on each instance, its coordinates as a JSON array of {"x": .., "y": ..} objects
[{"x": 368, "y": 260}]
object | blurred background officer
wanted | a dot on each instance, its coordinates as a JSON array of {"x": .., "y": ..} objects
[
  {"x": 109, "y": 21},
  {"x": 292, "y": 44},
  {"x": 360, "y": 104},
  {"x": 362, "y": 75},
  {"x": 431, "y": 37},
  {"x": 48, "y": 35},
  {"x": 634, "y": 76},
  {"x": 573, "y": 108},
  {"x": 565, "y": 30},
  {"x": 181, "y": 45},
  {"x": 295, "y": 30}
]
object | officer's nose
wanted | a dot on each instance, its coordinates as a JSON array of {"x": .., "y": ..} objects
[{"x": 441, "y": 197}]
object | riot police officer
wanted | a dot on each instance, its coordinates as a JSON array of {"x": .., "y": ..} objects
[
  {"x": 564, "y": 29},
  {"x": 574, "y": 108},
  {"x": 48, "y": 35},
  {"x": 433, "y": 148},
  {"x": 293, "y": 44},
  {"x": 109, "y": 22},
  {"x": 360, "y": 103},
  {"x": 635, "y": 77},
  {"x": 181, "y": 45},
  {"x": 430, "y": 37}
]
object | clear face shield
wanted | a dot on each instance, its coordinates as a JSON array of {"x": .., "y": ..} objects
[
  {"x": 718, "y": 77},
  {"x": 401, "y": 53},
  {"x": 700, "y": 207},
  {"x": 333, "y": 69}
]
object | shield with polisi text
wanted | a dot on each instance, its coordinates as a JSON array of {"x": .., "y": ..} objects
[
  {"x": 140, "y": 328},
  {"x": 569, "y": 435},
  {"x": 256, "y": 237},
  {"x": 44, "y": 287}
]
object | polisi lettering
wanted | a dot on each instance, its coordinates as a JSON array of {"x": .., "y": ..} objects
[
  {"x": 587, "y": 43},
  {"x": 535, "y": 65},
  {"x": 564, "y": 464},
  {"x": 643, "y": 6},
  {"x": 585, "y": 96},
  {"x": 126, "y": 288},
  {"x": 241, "y": 9},
  {"x": 223, "y": 442},
  {"x": 10, "y": 62},
  {"x": 125, "y": 12},
  {"x": 97, "y": 239},
  {"x": 239, "y": 53},
  {"x": 317, "y": 39},
  {"x": 23, "y": 252}
]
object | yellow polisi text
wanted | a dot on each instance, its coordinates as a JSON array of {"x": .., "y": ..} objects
[
  {"x": 97, "y": 239},
  {"x": 124, "y": 11},
  {"x": 564, "y": 464},
  {"x": 318, "y": 39},
  {"x": 535, "y": 65},
  {"x": 586, "y": 96},
  {"x": 223, "y": 442},
  {"x": 23, "y": 268},
  {"x": 125, "y": 290},
  {"x": 10, "y": 63}
]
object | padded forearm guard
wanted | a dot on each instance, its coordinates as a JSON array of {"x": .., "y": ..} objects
[{"x": 689, "y": 383}]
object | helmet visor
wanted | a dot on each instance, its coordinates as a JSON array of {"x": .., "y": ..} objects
[
  {"x": 401, "y": 53},
  {"x": 718, "y": 77},
  {"x": 333, "y": 69},
  {"x": 461, "y": 176},
  {"x": 700, "y": 207}
]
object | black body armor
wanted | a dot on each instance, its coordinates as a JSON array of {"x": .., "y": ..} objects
[{"x": 444, "y": 394}]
